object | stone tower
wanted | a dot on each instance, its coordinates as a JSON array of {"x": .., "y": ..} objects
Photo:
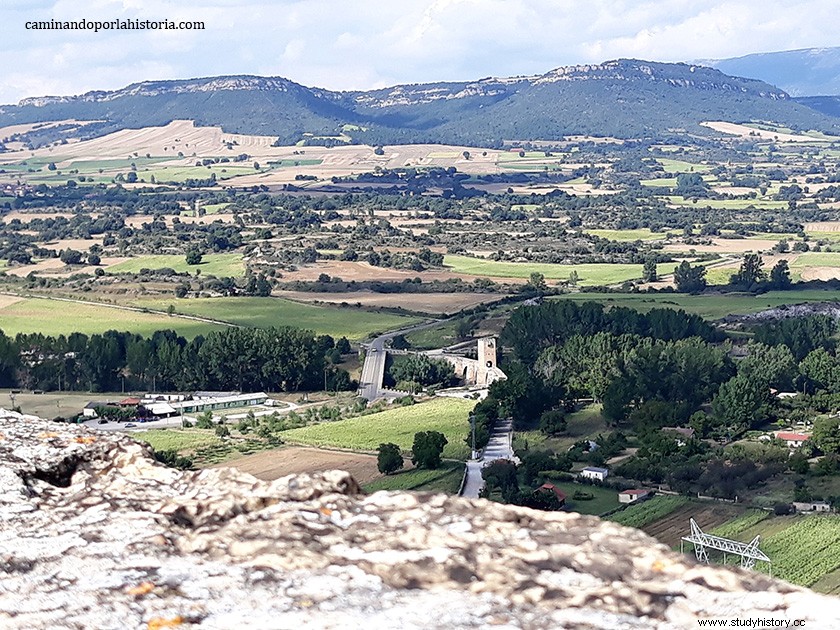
[{"x": 486, "y": 358}]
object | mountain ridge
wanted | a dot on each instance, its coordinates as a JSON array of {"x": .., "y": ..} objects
[
  {"x": 804, "y": 72},
  {"x": 624, "y": 98}
]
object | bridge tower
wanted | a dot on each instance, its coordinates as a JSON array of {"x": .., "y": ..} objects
[{"x": 486, "y": 359}]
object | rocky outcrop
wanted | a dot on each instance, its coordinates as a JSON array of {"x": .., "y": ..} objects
[{"x": 95, "y": 534}]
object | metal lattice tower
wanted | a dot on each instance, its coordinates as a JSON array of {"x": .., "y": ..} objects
[{"x": 748, "y": 552}]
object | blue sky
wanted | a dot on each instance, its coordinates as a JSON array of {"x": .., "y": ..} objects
[{"x": 358, "y": 44}]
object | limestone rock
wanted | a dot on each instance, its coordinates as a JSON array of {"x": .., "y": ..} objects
[{"x": 95, "y": 534}]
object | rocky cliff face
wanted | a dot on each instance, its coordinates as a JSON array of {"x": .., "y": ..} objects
[{"x": 95, "y": 534}]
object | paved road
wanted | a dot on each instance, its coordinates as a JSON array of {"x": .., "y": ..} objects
[
  {"x": 499, "y": 447},
  {"x": 373, "y": 371}
]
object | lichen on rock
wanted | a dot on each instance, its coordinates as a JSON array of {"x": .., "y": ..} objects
[{"x": 94, "y": 533}]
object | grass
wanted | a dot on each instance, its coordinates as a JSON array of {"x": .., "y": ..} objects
[
  {"x": 588, "y": 273},
  {"x": 816, "y": 259},
  {"x": 640, "y": 514},
  {"x": 220, "y": 265},
  {"x": 257, "y": 312},
  {"x": 605, "y": 499},
  {"x": 679, "y": 166},
  {"x": 726, "y": 204},
  {"x": 213, "y": 208},
  {"x": 446, "y": 479},
  {"x": 435, "y": 337},
  {"x": 740, "y": 523},
  {"x": 289, "y": 162},
  {"x": 54, "y": 317},
  {"x": 707, "y": 306},
  {"x": 182, "y": 440},
  {"x": 665, "y": 182},
  {"x": 583, "y": 423},
  {"x": 643, "y": 234},
  {"x": 366, "y": 433}
]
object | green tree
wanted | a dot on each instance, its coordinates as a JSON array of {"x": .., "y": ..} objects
[
  {"x": 553, "y": 422},
  {"x": 194, "y": 257},
  {"x": 774, "y": 365},
  {"x": 263, "y": 286},
  {"x": 649, "y": 273},
  {"x": 501, "y": 475},
  {"x": 536, "y": 281},
  {"x": 780, "y": 276},
  {"x": 689, "y": 279},
  {"x": 94, "y": 259},
  {"x": 222, "y": 431},
  {"x": 826, "y": 434},
  {"x": 750, "y": 271},
  {"x": 741, "y": 403},
  {"x": 389, "y": 458},
  {"x": 204, "y": 420},
  {"x": 428, "y": 448},
  {"x": 70, "y": 257},
  {"x": 820, "y": 370}
]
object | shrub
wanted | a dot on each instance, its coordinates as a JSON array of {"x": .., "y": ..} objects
[{"x": 389, "y": 458}]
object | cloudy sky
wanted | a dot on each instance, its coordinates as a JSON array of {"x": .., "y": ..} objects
[{"x": 355, "y": 44}]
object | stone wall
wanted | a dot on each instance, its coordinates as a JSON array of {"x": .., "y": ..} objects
[{"x": 95, "y": 534}]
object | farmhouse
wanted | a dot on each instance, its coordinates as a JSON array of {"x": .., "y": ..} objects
[
  {"x": 633, "y": 496},
  {"x": 811, "y": 506},
  {"x": 598, "y": 474},
  {"x": 561, "y": 496},
  {"x": 793, "y": 440}
]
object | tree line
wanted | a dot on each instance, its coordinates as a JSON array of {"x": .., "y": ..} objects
[{"x": 243, "y": 359}]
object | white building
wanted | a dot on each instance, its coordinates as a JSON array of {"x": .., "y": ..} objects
[
  {"x": 632, "y": 496},
  {"x": 591, "y": 472}
]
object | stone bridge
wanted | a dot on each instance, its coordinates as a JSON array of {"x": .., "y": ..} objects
[{"x": 480, "y": 372}]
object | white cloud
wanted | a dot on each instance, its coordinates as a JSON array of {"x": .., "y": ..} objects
[{"x": 372, "y": 43}]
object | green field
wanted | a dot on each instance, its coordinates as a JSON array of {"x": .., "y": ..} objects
[
  {"x": 737, "y": 525},
  {"x": 643, "y": 234},
  {"x": 640, "y": 514},
  {"x": 353, "y": 323},
  {"x": 213, "y": 208},
  {"x": 366, "y": 433},
  {"x": 665, "y": 182},
  {"x": 605, "y": 499},
  {"x": 729, "y": 204},
  {"x": 446, "y": 479},
  {"x": 804, "y": 549},
  {"x": 816, "y": 259},
  {"x": 184, "y": 441},
  {"x": 708, "y": 306},
  {"x": 679, "y": 166},
  {"x": 584, "y": 423},
  {"x": 54, "y": 317},
  {"x": 289, "y": 162},
  {"x": 588, "y": 273},
  {"x": 220, "y": 265},
  {"x": 180, "y": 174}
]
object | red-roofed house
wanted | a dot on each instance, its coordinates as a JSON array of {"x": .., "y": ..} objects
[
  {"x": 632, "y": 496},
  {"x": 793, "y": 440},
  {"x": 561, "y": 496},
  {"x": 129, "y": 402}
]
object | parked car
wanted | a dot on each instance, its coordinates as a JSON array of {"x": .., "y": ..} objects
[
  {"x": 130, "y": 425},
  {"x": 103, "y": 421}
]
